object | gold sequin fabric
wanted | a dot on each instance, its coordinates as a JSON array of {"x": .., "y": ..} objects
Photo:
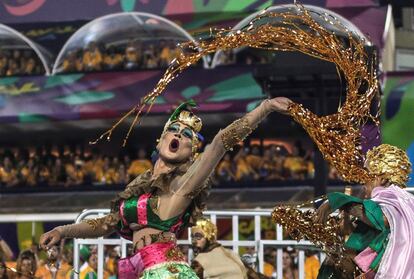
[
  {"x": 235, "y": 133},
  {"x": 389, "y": 162},
  {"x": 300, "y": 225}
]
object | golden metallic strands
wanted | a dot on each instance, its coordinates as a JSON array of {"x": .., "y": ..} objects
[
  {"x": 300, "y": 225},
  {"x": 295, "y": 29}
]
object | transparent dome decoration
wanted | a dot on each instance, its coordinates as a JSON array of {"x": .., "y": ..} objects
[
  {"x": 123, "y": 41},
  {"x": 21, "y": 56},
  {"x": 326, "y": 18}
]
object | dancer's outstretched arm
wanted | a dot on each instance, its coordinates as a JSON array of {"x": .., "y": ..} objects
[
  {"x": 224, "y": 141},
  {"x": 90, "y": 228}
]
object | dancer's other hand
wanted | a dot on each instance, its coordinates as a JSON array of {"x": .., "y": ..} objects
[
  {"x": 280, "y": 104},
  {"x": 322, "y": 213},
  {"x": 49, "y": 239}
]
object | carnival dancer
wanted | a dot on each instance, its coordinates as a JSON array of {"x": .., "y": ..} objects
[
  {"x": 384, "y": 219},
  {"x": 157, "y": 204},
  {"x": 382, "y": 239},
  {"x": 212, "y": 260}
]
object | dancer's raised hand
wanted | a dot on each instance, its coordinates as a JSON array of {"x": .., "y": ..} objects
[
  {"x": 280, "y": 104},
  {"x": 49, "y": 239}
]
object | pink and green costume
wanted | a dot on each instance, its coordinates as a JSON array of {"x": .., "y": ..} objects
[
  {"x": 159, "y": 259},
  {"x": 137, "y": 204}
]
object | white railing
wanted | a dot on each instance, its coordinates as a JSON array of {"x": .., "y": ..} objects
[{"x": 235, "y": 216}]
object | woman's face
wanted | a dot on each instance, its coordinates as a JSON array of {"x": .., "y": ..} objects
[
  {"x": 26, "y": 267},
  {"x": 198, "y": 240},
  {"x": 175, "y": 145},
  {"x": 287, "y": 260},
  {"x": 93, "y": 261}
]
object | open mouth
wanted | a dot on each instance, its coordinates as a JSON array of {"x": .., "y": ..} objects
[{"x": 174, "y": 145}]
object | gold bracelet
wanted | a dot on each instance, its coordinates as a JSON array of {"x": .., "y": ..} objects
[{"x": 235, "y": 132}]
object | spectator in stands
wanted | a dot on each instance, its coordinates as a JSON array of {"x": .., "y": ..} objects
[
  {"x": 289, "y": 268},
  {"x": 139, "y": 165},
  {"x": 29, "y": 67},
  {"x": 28, "y": 173},
  {"x": 254, "y": 160},
  {"x": 71, "y": 63},
  {"x": 224, "y": 170},
  {"x": 44, "y": 177},
  {"x": 311, "y": 265},
  {"x": 269, "y": 266},
  {"x": 112, "y": 59},
  {"x": 26, "y": 265},
  {"x": 271, "y": 165},
  {"x": 166, "y": 54},
  {"x": 122, "y": 175},
  {"x": 12, "y": 68},
  {"x": 8, "y": 174},
  {"x": 90, "y": 271},
  {"x": 54, "y": 268},
  {"x": 295, "y": 165},
  {"x": 250, "y": 262},
  {"x": 244, "y": 172},
  {"x": 78, "y": 174},
  {"x": 127, "y": 160},
  {"x": 150, "y": 57},
  {"x": 109, "y": 172},
  {"x": 132, "y": 57},
  {"x": 58, "y": 174},
  {"x": 111, "y": 260},
  {"x": 3, "y": 63},
  {"x": 92, "y": 58}
]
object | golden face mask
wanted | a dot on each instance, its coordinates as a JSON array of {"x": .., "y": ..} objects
[
  {"x": 389, "y": 162},
  {"x": 208, "y": 228}
]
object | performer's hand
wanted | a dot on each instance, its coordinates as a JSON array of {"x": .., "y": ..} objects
[
  {"x": 49, "y": 239},
  {"x": 322, "y": 213},
  {"x": 280, "y": 104}
]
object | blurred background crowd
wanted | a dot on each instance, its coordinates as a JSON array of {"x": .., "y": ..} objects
[
  {"x": 57, "y": 263},
  {"x": 68, "y": 166}
]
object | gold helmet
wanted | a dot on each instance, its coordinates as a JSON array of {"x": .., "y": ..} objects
[
  {"x": 208, "y": 228},
  {"x": 389, "y": 162}
]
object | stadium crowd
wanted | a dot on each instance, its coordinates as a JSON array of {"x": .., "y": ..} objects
[
  {"x": 14, "y": 62},
  {"x": 132, "y": 56},
  {"x": 64, "y": 166}
]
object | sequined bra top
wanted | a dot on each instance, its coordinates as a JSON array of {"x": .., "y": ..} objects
[{"x": 139, "y": 210}]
